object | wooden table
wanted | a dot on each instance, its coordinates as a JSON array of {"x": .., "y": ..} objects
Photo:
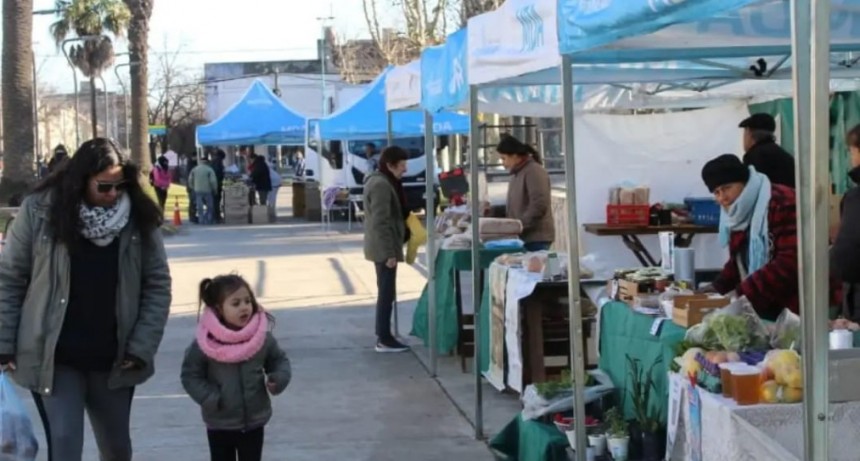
[
  {"x": 546, "y": 330},
  {"x": 684, "y": 234}
]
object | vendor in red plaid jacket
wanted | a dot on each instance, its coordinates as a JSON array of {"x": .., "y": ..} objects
[{"x": 758, "y": 224}]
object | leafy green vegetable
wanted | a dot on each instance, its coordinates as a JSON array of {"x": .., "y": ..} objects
[
  {"x": 563, "y": 383},
  {"x": 731, "y": 331}
]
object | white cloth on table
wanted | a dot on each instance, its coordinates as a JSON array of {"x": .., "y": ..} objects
[{"x": 762, "y": 432}]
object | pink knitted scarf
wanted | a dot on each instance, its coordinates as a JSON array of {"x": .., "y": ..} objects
[{"x": 224, "y": 345}]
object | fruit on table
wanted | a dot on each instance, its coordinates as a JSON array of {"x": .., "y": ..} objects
[
  {"x": 792, "y": 395},
  {"x": 769, "y": 392},
  {"x": 785, "y": 365}
]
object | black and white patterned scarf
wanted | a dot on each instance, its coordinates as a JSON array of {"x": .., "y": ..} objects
[{"x": 102, "y": 225}]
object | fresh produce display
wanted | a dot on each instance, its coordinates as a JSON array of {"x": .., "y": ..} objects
[
  {"x": 563, "y": 383},
  {"x": 783, "y": 377},
  {"x": 734, "y": 328},
  {"x": 786, "y": 331},
  {"x": 566, "y": 423}
]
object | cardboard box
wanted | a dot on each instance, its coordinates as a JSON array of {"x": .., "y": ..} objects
[{"x": 690, "y": 310}]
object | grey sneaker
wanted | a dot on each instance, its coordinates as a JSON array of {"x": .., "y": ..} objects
[{"x": 390, "y": 345}]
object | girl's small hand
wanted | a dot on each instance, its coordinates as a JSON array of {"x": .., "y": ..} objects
[{"x": 271, "y": 386}]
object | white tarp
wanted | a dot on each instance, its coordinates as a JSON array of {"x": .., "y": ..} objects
[
  {"x": 518, "y": 38},
  {"x": 403, "y": 86},
  {"x": 663, "y": 151}
]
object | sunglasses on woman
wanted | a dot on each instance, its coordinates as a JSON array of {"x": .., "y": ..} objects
[{"x": 106, "y": 187}]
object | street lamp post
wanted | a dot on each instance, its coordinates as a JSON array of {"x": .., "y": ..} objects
[
  {"x": 36, "y": 139},
  {"x": 323, "y": 59},
  {"x": 124, "y": 99},
  {"x": 107, "y": 107},
  {"x": 84, "y": 38}
]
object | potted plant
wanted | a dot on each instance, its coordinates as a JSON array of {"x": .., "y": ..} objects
[
  {"x": 648, "y": 422},
  {"x": 619, "y": 440}
]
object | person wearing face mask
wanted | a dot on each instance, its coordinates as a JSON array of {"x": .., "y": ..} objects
[
  {"x": 385, "y": 232},
  {"x": 758, "y": 224},
  {"x": 845, "y": 252},
  {"x": 528, "y": 193},
  {"x": 84, "y": 298}
]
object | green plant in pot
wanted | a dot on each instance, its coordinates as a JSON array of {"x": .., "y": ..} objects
[
  {"x": 618, "y": 438},
  {"x": 641, "y": 389}
]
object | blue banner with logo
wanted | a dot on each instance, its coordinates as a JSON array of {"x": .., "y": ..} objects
[
  {"x": 587, "y": 24},
  {"x": 444, "y": 83}
]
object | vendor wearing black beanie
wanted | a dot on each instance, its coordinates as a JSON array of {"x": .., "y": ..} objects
[{"x": 758, "y": 225}]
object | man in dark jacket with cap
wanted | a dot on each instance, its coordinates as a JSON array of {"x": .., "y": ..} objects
[{"x": 762, "y": 151}]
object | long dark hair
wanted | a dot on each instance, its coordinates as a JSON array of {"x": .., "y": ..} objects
[
  {"x": 213, "y": 292},
  {"x": 68, "y": 186}
]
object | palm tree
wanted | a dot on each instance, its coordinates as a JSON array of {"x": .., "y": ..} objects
[
  {"x": 17, "y": 89},
  {"x": 90, "y": 20},
  {"x": 138, "y": 46}
]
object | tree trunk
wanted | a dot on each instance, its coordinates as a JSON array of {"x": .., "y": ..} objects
[
  {"x": 17, "y": 92},
  {"x": 94, "y": 108},
  {"x": 138, "y": 34}
]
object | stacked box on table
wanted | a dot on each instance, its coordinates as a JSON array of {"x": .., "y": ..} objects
[{"x": 236, "y": 207}]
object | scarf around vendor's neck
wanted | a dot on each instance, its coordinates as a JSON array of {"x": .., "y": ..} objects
[
  {"x": 398, "y": 187},
  {"x": 749, "y": 213}
]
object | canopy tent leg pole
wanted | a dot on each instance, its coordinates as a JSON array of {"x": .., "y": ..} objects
[
  {"x": 430, "y": 213},
  {"x": 474, "y": 202},
  {"x": 577, "y": 361},
  {"x": 389, "y": 139},
  {"x": 811, "y": 45}
]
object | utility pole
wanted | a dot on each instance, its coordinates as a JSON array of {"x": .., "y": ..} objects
[
  {"x": 84, "y": 38},
  {"x": 324, "y": 56}
]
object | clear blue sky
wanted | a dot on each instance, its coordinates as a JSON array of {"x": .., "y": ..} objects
[{"x": 217, "y": 31}]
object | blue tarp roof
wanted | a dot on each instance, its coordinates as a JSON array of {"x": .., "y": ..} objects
[
  {"x": 258, "y": 118},
  {"x": 659, "y": 30},
  {"x": 367, "y": 119}
]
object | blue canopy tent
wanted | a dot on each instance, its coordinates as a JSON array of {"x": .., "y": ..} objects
[
  {"x": 367, "y": 119},
  {"x": 704, "y": 32},
  {"x": 258, "y": 118}
]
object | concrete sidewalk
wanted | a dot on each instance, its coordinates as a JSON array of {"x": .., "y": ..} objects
[{"x": 346, "y": 402}]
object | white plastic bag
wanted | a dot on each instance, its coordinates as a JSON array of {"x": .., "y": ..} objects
[
  {"x": 17, "y": 439},
  {"x": 535, "y": 406}
]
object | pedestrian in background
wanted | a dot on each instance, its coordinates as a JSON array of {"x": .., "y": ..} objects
[
  {"x": 385, "y": 233},
  {"x": 203, "y": 182}
]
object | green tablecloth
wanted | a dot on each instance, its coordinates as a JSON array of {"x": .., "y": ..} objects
[
  {"x": 530, "y": 441},
  {"x": 447, "y": 261},
  {"x": 626, "y": 332}
]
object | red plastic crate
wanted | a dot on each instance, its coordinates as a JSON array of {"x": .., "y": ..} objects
[{"x": 628, "y": 215}]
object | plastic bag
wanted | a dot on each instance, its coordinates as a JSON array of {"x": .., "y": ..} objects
[
  {"x": 535, "y": 406},
  {"x": 786, "y": 331},
  {"x": 713, "y": 333},
  {"x": 17, "y": 439}
]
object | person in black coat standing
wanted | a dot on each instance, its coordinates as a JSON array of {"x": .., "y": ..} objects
[
  {"x": 762, "y": 151},
  {"x": 845, "y": 252},
  {"x": 261, "y": 177},
  {"x": 218, "y": 166}
]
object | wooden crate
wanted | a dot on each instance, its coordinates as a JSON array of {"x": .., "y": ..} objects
[
  {"x": 623, "y": 290},
  {"x": 690, "y": 310}
]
